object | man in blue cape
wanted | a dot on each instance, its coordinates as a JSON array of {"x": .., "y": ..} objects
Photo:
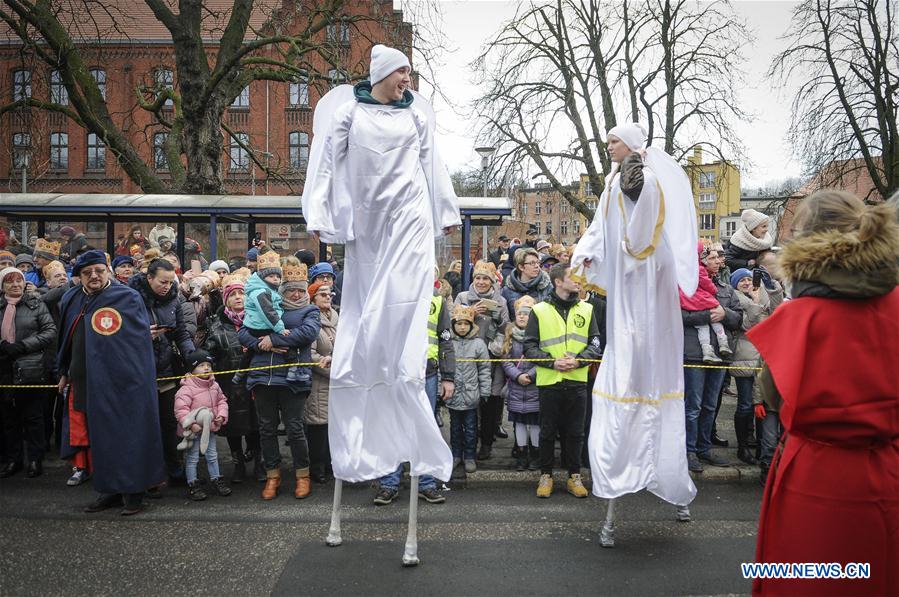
[{"x": 106, "y": 364}]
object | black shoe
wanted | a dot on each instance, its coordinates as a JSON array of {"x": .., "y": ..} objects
[
  {"x": 196, "y": 492},
  {"x": 10, "y": 469},
  {"x": 693, "y": 464},
  {"x": 752, "y": 442},
  {"x": 385, "y": 496},
  {"x": 221, "y": 487},
  {"x": 763, "y": 474},
  {"x": 713, "y": 459},
  {"x": 132, "y": 504},
  {"x": 104, "y": 502},
  {"x": 431, "y": 495},
  {"x": 155, "y": 492},
  {"x": 502, "y": 433},
  {"x": 258, "y": 469},
  {"x": 745, "y": 454},
  {"x": 521, "y": 463},
  {"x": 35, "y": 469},
  {"x": 717, "y": 441},
  {"x": 533, "y": 459},
  {"x": 240, "y": 467},
  {"x": 320, "y": 478},
  {"x": 485, "y": 452}
]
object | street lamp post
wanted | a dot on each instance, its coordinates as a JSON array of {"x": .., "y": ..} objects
[
  {"x": 266, "y": 155},
  {"x": 485, "y": 153}
]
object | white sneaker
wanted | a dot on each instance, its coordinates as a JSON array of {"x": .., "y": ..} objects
[
  {"x": 79, "y": 476},
  {"x": 708, "y": 354}
]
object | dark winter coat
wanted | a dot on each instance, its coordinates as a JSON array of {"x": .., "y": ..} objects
[
  {"x": 36, "y": 330},
  {"x": 70, "y": 250},
  {"x": 223, "y": 343},
  {"x": 732, "y": 322},
  {"x": 736, "y": 257},
  {"x": 521, "y": 399},
  {"x": 446, "y": 353},
  {"x": 304, "y": 325},
  {"x": 165, "y": 311},
  {"x": 538, "y": 289}
]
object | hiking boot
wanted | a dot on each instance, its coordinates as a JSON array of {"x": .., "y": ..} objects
[
  {"x": 431, "y": 495},
  {"x": 693, "y": 464},
  {"x": 385, "y": 496},
  {"x": 471, "y": 466},
  {"x": 708, "y": 354},
  {"x": 724, "y": 347},
  {"x": 272, "y": 483},
  {"x": 545, "y": 487},
  {"x": 713, "y": 459},
  {"x": 575, "y": 486},
  {"x": 221, "y": 487},
  {"x": 195, "y": 491},
  {"x": 304, "y": 485}
]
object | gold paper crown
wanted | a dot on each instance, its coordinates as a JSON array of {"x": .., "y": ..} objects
[
  {"x": 212, "y": 277},
  {"x": 52, "y": 268},
  {"x": 525, "y": 302},
  {"x": 268, "y": 260},
  {"x": 484, "y": 268},
  {"x": 295, "y": 273},
  {"x": 463, "y": 313},
  {"x": 234, "y": 278},
  {"x": 43, "y": 245},
  {"x": 243, "y": 273}
]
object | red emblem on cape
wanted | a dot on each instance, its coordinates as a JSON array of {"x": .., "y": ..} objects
[{"x": 106, "y": 321}]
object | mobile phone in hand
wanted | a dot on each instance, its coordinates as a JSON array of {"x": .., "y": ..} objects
[{"x": 756, "y": 278}]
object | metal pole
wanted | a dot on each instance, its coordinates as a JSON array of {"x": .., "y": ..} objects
[
  {"x": 466, "y": 250},
  {"x": 484, "y": 164},
  {"x": 25, "y": 181}
]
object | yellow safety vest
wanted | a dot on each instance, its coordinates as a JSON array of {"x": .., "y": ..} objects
[
  {"x": 558, "y": 338},
  {"x": 433, "y": 319}
]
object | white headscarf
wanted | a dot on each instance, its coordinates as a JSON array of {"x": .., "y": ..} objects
[
  {"x": 384, "y": 61},
  {"x": 632, "y": 133}
]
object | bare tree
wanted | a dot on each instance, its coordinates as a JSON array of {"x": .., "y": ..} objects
[
  {"x": 845, "y": 56},
  {"x": 562, "y": 72},
  {"x": 67, "y": 36}
]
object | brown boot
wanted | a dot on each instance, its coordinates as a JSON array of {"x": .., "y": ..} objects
[
  {"x": 272, "y": 483},
  {"x": 303, "y": 484}
]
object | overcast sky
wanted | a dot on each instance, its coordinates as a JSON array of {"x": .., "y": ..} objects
[{"x": 469, "y": 23}]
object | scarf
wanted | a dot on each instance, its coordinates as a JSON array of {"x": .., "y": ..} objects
[
  {"x": 518, "y": 333},
  {"x": 329, "y": 319},
  {"x": 8, "y": 327},
  {"x": 235, "y": 316},
  {"x": 744, "y": 239},
  {"x": 293, "y": 306}
]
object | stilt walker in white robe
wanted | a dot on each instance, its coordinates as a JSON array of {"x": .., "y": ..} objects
[
  {"x": 637, "y": 251},
  {"x": 376, "y": 183}
]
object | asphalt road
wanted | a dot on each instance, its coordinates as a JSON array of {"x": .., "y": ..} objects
[{"x": 492, "y": 537}]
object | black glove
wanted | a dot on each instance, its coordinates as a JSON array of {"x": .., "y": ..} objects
[
  {"x": 766, "y": 278},
  {"x": 12, "y": 349},
  {"x": 632, "y": 176}
]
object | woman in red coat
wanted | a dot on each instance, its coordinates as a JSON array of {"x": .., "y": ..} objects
[{"x": 833, "y": 490}]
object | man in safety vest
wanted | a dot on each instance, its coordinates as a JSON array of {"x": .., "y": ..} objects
[
  {"x": 562, "y": 330},
  {"x": 442, "y": 362}
]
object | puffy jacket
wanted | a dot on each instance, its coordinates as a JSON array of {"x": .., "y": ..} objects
[
  {"x": 36, "y": 330},
  {"x": 733, "y": 319},
  {"x": 745, "y": 353},
  {"x": 520, "y": 399},
  {"x": 197, "y": 393},
  {"x": 472, "y": 379},
  {"x": 262, "y": 305},
  {"x": 490, "y": 324},
  {"x": 223, "y": 343},
  {"x": 317, "y": 404},
  {"x": 304, "y": 325},
  {"x": 736, "y": 257},
  {"x": 165, "y": 311},
  {"x": 513, "y": 289}
]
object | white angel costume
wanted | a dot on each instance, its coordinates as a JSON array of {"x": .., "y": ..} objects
[
  {"x": 376, "y": 183},
  {"x": 639, "y": 253}
]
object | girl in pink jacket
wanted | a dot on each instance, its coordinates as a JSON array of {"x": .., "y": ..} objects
[
  {"x": 705, "y": 299},
  {"x": 201, "y": 408}
]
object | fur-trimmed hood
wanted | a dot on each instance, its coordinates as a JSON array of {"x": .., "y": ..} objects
[{"x": 812, "y": 256}]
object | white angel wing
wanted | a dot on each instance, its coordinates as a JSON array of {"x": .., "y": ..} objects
[{"x": 444, "y": 203}]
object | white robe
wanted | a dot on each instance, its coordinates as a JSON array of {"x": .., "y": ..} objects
[
  {"x": 378, "y": 186},
  {"x": 637, "y": 433}
]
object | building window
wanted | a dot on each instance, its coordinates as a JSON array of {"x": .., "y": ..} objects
[
  {"x": 336, "y": 77},
  {"x": 21, "y": 150},
  {"x": 58, "y": 92},
  {"x": 706, "y": 179},
  {"x": 299, "y": 94},
  {"x": 164, "y": 78},
  {"x": 160, "y": 162},
  {"x": 21, "y": 85},
  {"x": 243, "y": 99},
  {"x": 537, "y": 208},
  {"x": 549, "y": 208},
  {"x": 537, "y": 227},
  {"x": 99, "y": 76},
  {"x": 707, "y": 200},
  {"x": 549, "y": 228},
  {"x": 706, "y": 221},
  {"x": 524, "y": 208},
  {"x": 239, "y": 156},
  {"x": 299, "y": 150},
  {"x": 59, "y": 151},
  {"x": 577, "y": 227},
  {"x": 730, "y": 228},
  {"x": 563, "y": 228},
  {"x": 344, "y": 29},
  {"x": 96, "y": 153}
]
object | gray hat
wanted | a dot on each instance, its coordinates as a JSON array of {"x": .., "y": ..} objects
[{"x": 24, "y": 258}]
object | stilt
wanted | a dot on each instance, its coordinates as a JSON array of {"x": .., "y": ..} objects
[
  {"x": 683, "y": 514},
  {"x": 410, "y": 555},
  {"x": 607, "y": 534},
  {"x": 334, "y": 539}
]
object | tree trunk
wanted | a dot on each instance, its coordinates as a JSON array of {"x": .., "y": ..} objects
[{"x": 203, "y": 143}]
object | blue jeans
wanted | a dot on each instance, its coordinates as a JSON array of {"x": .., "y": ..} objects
[
  {"x": 464, "y": 433},
  {"x": 744, "y": 395},
  {"x": 212, "y": 459},
  {"x": 771, "y": 432},
  {"x": 701, "y": 388},
  {"x": 392, "y": 481}
]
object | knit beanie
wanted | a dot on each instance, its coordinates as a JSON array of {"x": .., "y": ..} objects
[
  {"x": 7, "y": 256},
  {"x": 316, "y": 286},
  {"x": 384, "y": 61},
  {"x": 320, "y": 269},
  {"x": 199, "y": 356},
  {"x": 217, "y": 265},
  {"x": 122, "y": 260},
  {"x": 14, "y": 271},
  {"x": 752, "y": 219},
  {"x": 739, "y": 275},
  {"x": 25, "y": 258},
  {"x": 253, "y": 254}
]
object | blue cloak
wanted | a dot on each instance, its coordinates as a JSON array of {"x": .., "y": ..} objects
[{"x": 121, "y": 399}]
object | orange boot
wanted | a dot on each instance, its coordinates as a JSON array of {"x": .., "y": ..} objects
[
  {"x": 272, "y": 483},
  {"x": 303, "y": 484}
]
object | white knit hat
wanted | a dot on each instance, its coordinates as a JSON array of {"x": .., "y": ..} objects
[
  {"x": 632, "y": 133},
  {"x": 384, "y": 61},
  {"x": 219, "y": 264},
  {"x": 752, "y": 219}
]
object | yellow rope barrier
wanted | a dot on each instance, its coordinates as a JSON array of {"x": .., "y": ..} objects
[{"x": 266, "y": 367}]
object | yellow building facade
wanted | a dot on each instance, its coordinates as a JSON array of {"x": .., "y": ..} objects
[{"x": 716, "y": 193}]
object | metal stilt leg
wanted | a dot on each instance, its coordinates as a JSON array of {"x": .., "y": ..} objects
[
  {"x": 607, "y": 534},
  {"x": 334, "y": 538},
  {"x": 410, "y": 555}
]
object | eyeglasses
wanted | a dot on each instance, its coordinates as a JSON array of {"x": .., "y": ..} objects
[
  {"x": 531, "y": 263},
  {"x": 89, "y": 272}
]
